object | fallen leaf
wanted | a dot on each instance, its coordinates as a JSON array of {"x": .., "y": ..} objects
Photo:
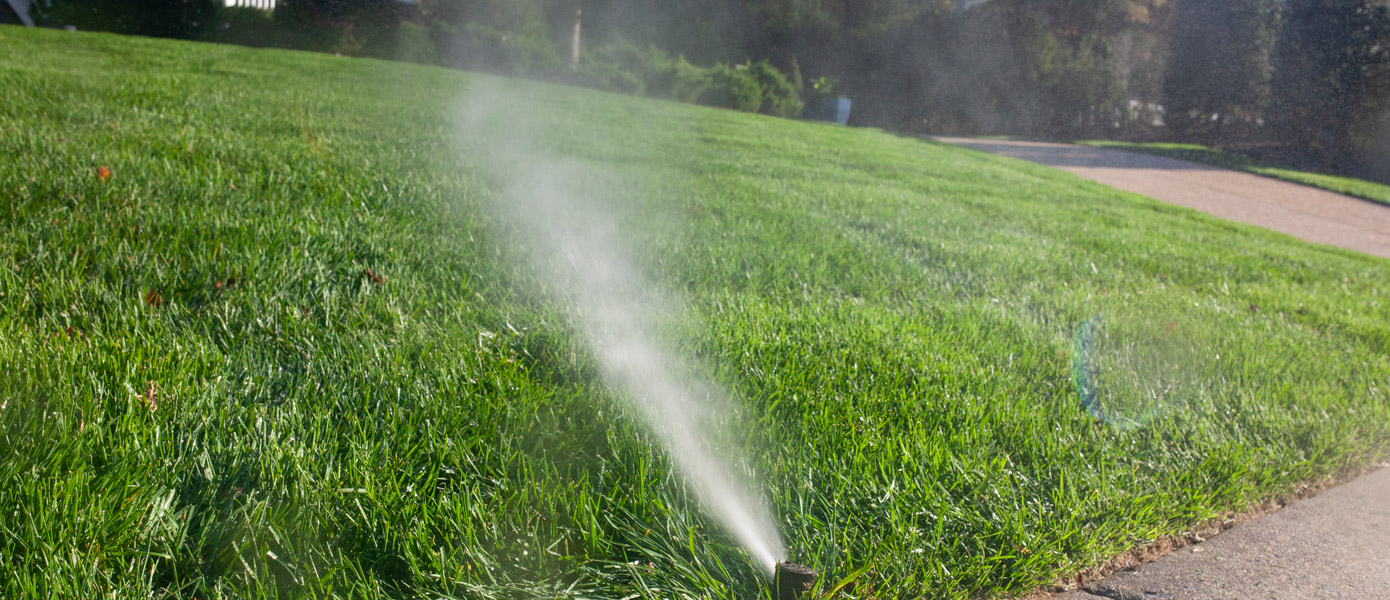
[
  {"x": 1254, "y": 308},
  {"x": 103, "y": 174},
  {"x": 153, "y": 299},
  {"x": 377, "y": 279},
  {"x": 151, "y": 396}
]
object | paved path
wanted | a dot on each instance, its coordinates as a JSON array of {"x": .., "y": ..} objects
[
  {"x": 1307, "y": 213},
  {"x": 1334, "y": 545}
]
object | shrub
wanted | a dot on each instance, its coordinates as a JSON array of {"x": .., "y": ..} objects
[
  {"x": 483, "y": 48},
  {"x": 619, "y": 67},
  {"x": 248, "y": 27},
  {"x": 624, "y": 67},
  {"x": 780, "y": 97},
  {"x": 753, "y": 87},
  {"x": 409, "y": 42},
  {"x": 611, "y": 77},
  {"x": 688, "y": 82},
  {"x": 733, "y": 87}
]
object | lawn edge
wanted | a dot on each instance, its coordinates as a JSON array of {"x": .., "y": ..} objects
[
  {"x": 1153, "y": 550},
  {"x": 1242, "y": 163}
]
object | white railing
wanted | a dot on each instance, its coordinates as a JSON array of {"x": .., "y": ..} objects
[{"x": 261, "y": 4}]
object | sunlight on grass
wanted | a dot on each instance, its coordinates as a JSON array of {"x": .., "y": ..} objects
[{"x": 355, "y": 384}]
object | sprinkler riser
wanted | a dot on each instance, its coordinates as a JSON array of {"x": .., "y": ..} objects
[{"x": 794, "y": 581}]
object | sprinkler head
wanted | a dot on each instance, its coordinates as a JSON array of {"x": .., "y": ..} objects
[{"x": 794, "y": 581}]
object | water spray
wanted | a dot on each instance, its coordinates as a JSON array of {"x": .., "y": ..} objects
[{"x": 568, "y": 229}]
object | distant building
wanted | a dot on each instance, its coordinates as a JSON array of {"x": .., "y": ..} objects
[{"x": 15, "y": 12}]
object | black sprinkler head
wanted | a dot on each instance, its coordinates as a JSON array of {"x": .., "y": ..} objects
[{"x": 794, "y": 581}]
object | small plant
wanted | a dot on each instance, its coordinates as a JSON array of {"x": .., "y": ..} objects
[{"x": 823, "y": 87}]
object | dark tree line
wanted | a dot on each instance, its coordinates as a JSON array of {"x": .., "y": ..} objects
[
  {"x": 1219, "y": 72},
  {"x": 1332, "y": 81},
  {"x": 1312, "y": 74}
]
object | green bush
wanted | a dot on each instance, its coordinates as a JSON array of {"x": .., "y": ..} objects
[
  {"x": 733, "y": 87},
  {"x": 753, "y": 87},
  {"x": 780, "y": 97},
  {"x": 620, "y": 67},
  {"x": 248, "y": 27},
  {"x": 259, "y": 29},
  {"x": 624, "y": 67},
  {"x": 407, "y": 42},
  {"x": 479, "y": 47},
  {"x": 688, "y": 82},
  {"x": 611, "y": 77},
  {"x": 412, "y": 43}
]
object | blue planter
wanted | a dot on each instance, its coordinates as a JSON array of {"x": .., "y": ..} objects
[{"x": 829, "y": 109}]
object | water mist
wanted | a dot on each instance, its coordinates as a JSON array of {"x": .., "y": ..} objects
[{"x": 592, "y": 268}]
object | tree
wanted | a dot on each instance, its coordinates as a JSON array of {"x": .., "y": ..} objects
[
  {"x": 355, "y": 27},
  {"x": 1052, "y": 67},
  {"x": 1063, "y": 48},
  {"x": 185, "y": 19},
  {"x": 514, "y": 37},
  {"x": 1220, "y": 68},
  {"x": 1332, "y": 79}
]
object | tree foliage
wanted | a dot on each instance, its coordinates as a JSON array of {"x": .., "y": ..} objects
[
  {"x": 511, "y": 37},
  {"x": 1333, "y": 78},
  {"x": 1220, "y": 69},
  {"x": 186, "y": 19},
  {"x": 1320, "y": 73}
]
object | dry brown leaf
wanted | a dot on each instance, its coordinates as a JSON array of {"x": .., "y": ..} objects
[{"x": 151, "y": 396}]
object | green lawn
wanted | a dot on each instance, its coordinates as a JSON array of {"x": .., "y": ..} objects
[
  {"x": 1359, "y": 188},
  {"x": 290, "y": 348}
]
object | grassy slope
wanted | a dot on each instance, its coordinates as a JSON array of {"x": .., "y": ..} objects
[
  {"x": 892, "y": 316},
  {"x": 1359, "y": 188}
]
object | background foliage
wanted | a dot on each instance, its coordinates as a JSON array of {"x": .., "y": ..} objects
[{"x": 1307, "y": 76}]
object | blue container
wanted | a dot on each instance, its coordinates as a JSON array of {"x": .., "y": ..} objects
[{"x": 829, "y": 109}]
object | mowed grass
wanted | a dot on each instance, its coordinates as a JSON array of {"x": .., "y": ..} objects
[
  {"x": 1359, "y": 188},
  {"x": 288, "y": 348}
]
